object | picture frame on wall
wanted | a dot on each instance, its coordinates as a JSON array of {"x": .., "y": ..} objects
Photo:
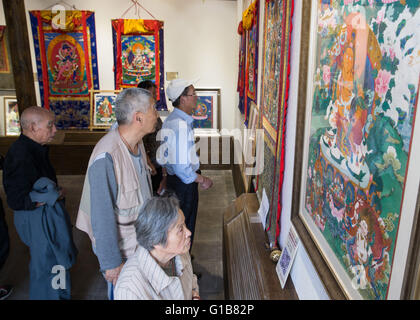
[
  {"x": 250, "y": 138},
  {"x": 102, "y": 108},
  {"x": 11, "y": 116},
  {"x": 4, "y": 54},
  {"x": 207, "y": 113},
  {"x": 357, "y": 148}
]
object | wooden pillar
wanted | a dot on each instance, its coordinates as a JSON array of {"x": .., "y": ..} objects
[{"x": 17, "y": 30}]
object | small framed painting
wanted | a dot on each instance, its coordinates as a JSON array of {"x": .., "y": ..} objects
[
  {"x": 207, "y": 113},
  {"x": 11, "y": 117},
  {"x": 102, "y": 108}
]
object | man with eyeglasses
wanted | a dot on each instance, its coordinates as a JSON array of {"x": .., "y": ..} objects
[{"x": 177, "y": 152}]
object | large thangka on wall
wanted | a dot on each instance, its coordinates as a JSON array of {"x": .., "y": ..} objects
[
  {"x": 273, "y": 105},
  {"x": 66, "y": 64},
  {"x": 248, "y": 59},
  {"x": 138, "y": 55},
  {"x": 241, "y": 68},
  {"x": 365, "y": 86},
  {"x": 251, "y": 27}
]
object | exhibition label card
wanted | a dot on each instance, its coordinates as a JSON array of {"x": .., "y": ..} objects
[
  {"x": 287, "y": 256},
  {"x": 263, "y": 210}
]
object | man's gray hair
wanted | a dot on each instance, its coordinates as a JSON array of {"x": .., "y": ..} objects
[
  {"x": 129, "y": 101},
  {"x": 154, "y": 221}
]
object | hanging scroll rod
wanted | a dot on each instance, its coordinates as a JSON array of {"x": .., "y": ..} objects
[
  {"x": 71, "y": 6},
  {"x": 137, "y": 5}
]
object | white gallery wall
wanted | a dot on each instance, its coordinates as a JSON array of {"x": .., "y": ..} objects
[{"x": 200, "y": 41}]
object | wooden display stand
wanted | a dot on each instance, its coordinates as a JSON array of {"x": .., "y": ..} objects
[{"x": 249, "y": 274}]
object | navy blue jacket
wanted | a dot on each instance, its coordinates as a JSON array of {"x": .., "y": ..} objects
[{"x": 55, "y": 223}]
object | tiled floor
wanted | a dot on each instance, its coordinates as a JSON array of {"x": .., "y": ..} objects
[{"x": 88, "y": 283}]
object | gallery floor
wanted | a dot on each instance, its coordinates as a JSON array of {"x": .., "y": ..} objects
[{"x": 88, "y": 283}]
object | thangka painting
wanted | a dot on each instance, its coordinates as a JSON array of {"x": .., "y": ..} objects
[
  {"x": 251, "y": 28},
  {"x": 103, "y": 108},
  {"x": 138, "y": 55},
  {"x": 4, "y": 57},
  {"x": 241, "y": 69},
  {"x": 361, "y": 114},
  {"x": 206, "y": 113},
  {"x": 66, "y": 64},
  {"x": 273, "y": 105},
  {"x": 6, "y": 74}
]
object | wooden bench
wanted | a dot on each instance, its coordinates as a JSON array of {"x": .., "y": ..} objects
[{"x": 249, "y": 274}]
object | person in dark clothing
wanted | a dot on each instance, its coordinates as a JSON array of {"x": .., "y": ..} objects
[
  {"x": 151, "y": 145},
  {"x": 4, "y": 237},
  {"x": 26, "y": 161}
]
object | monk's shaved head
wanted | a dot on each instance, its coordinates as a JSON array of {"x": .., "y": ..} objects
[
  {"x": 34, "y": 115},
  {"x": 38, "y": 124}
]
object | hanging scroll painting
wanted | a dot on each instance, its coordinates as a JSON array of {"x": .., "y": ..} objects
[
  {"x": 251, "y": 29},
  {"x": 138, "y": 59},
  {"x": 252, "y": 60},
  {"x": 138, "y": 55},
  {"x": 67, "y": 65},
  {"x": 241, "y": 69},
  {"x": 363, "y": 89},
  {"x": 273, "y": 105}
]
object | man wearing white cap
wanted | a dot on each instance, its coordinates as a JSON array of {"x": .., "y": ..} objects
[{"x": 177, "y": 153}]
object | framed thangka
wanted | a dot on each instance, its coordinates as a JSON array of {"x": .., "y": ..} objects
[
  {"x": 66, "y": 64},
  {"x": 11, "y": 117},
  {"x": 103, "y": 108},
  {"x": 207, "y": 113},
  {"x": 273, "y": 106},
  {"x": 358, "y": 159},
  {"x": 138, "y": 55}
]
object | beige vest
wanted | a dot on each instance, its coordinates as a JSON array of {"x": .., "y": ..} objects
[{"x": 129, "y": 198}]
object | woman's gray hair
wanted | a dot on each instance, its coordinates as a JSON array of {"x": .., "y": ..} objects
[
  {"x": 154, "y": 221},
  {"x": 129, "y": 101}
]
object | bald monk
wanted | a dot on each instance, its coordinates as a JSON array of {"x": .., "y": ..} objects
[
  {"x": 26, "y": 162},
  {"x": 27, "y": 159}
]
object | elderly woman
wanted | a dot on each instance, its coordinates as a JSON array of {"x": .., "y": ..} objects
[{"x": 161, "y": 266}]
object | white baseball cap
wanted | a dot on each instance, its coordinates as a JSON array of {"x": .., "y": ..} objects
[{"x": 177, "y": 86}]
